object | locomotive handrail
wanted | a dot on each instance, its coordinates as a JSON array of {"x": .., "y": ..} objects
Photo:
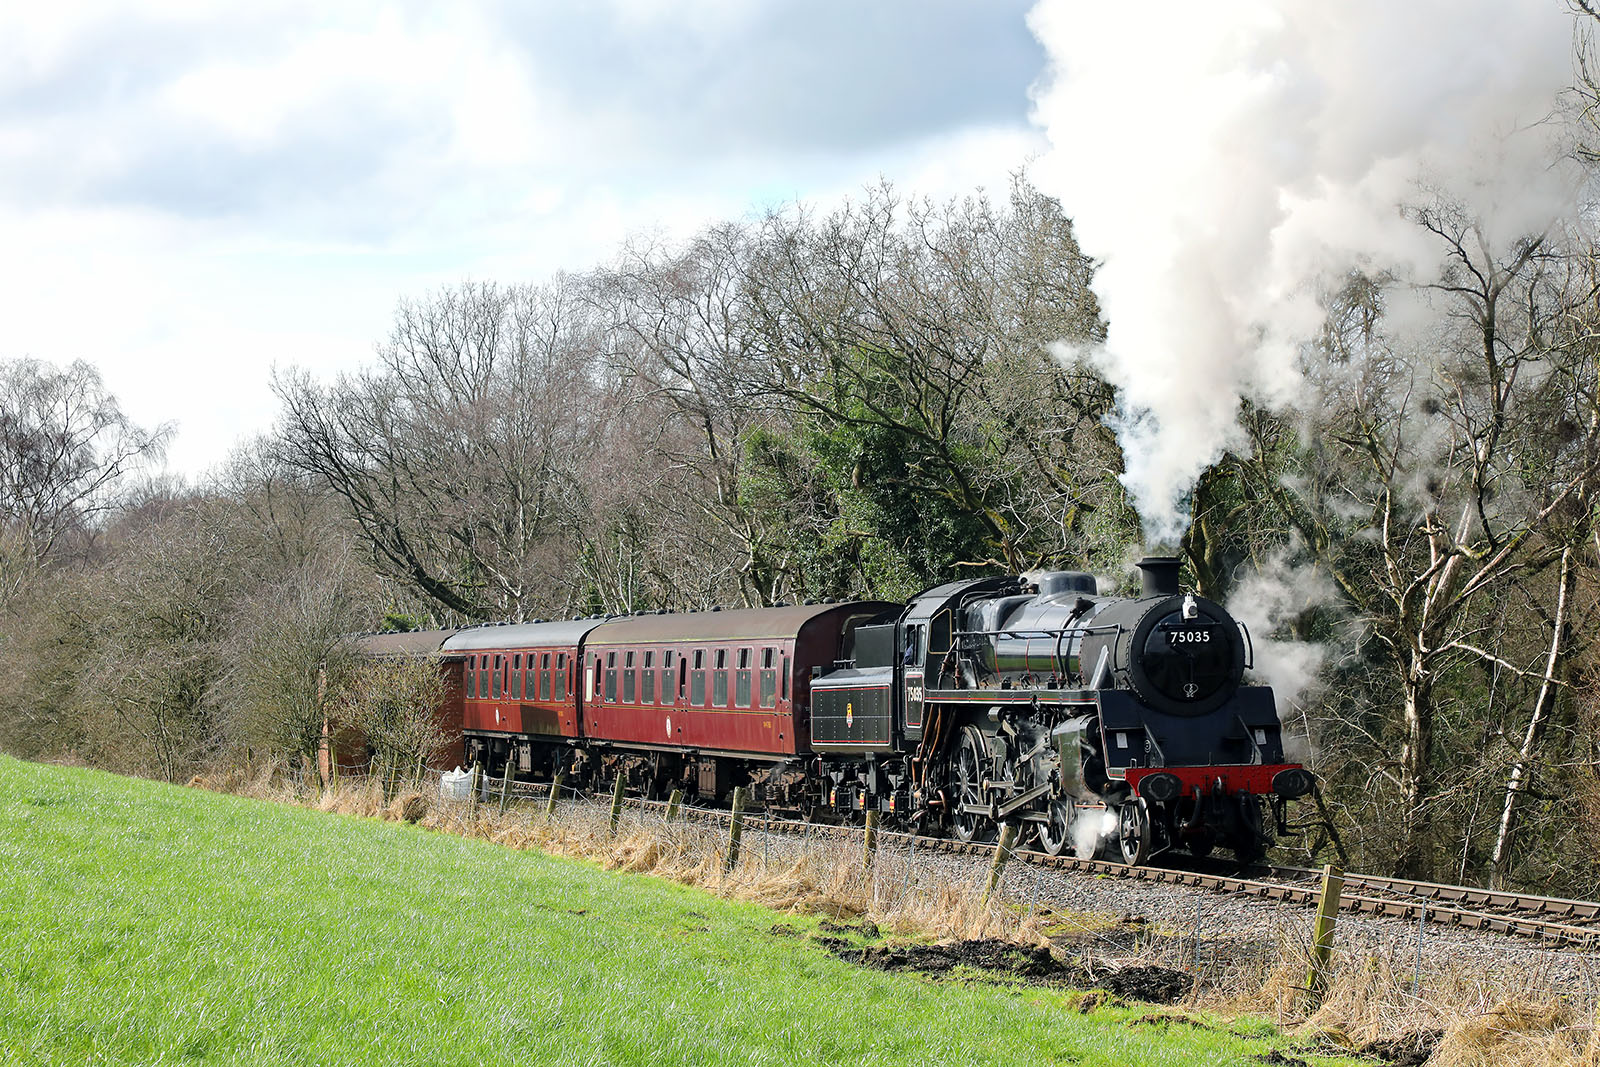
[
  {"x": 1104, "y": 628},
  {"x": 1249, "y": 646}
]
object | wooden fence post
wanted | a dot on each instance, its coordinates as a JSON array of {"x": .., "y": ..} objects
[
  {"x": 616, "y": 798},
  {"x": 1002, "y": 856},
  {"x": 505, "y": 787},
  {"x": 1322, "y": 936},
  {"x": 673, "y": 803},
  {"x": 555, "y": 791},
  {"x": 477, "y": 782},
  {"x": 869, "y": 848},
  {"x": 736, "y": 826}
]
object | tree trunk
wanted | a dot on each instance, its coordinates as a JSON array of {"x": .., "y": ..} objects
[
  {"x": 1412, "y": 860},
  {"x": 1543, "y": 706}
]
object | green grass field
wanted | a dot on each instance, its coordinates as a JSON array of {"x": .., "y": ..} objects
[{"x": 146, "y": 924}]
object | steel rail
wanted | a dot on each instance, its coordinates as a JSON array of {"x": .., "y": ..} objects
[{"x": 1521, "y": 915}]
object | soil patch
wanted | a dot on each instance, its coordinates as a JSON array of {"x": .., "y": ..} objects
[
  {"x": 1282, "y": 1059},
  {"x": 865, "y": 928},
  {"x": 1002, "y": 959},
  {"x": 1408, "y": 1050},
  {"x": 1157, "y": 985}
]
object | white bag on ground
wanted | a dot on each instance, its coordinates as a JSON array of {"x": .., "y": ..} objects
[{"x": 455, "y": 785}]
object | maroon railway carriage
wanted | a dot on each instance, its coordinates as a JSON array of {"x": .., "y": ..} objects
[
  {"x": 521, "y": 691},
  {"x": 702, "y": 699},
  {"x": 716, "y": 682}
]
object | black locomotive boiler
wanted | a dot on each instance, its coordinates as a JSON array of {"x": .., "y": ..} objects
[{"x": 1104, "y": 724}]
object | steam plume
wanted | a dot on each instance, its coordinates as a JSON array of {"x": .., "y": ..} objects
[{"x": 1228, "y": 161}]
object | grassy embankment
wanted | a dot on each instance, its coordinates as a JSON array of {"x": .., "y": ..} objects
[{"x": 142, "y": 923}]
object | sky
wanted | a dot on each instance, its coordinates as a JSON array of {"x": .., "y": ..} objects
[{"x": 193, "y": 194}]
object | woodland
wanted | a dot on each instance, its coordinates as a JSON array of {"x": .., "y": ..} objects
[{"x": 864, "y": 401}]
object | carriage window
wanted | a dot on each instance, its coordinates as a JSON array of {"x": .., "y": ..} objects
[
  {"x": 629, "y": 682},
  {"x": 561, "y": 676},
  {"x": 544, "y": 676},
  {"x": 741, "y": 680},
  {"x": 611, "y": 677},
  {"x": 483, "y": 677},
  {"x": 719, "y": 680},
  {"x": 697, "y": 679},
  {"x": 647, "y": 685},
  {"x": 769, "y": 679},
  {"x": 495, "y": 691},
  {"x": 783, "y": 679},
  {"x": 516, "y": 675}
]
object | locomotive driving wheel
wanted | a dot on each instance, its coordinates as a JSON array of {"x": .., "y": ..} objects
[
  {"x": 1056, "y": 835},
  {"x": 966, "y": 773},
  {"x": 1133, "y": 832},
  {"x": 1249, "y": 838}
]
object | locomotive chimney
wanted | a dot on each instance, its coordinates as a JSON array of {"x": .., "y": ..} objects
[{"x": 1160, "y": 576}]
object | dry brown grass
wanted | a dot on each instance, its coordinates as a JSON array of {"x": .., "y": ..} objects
[
  {"x": 816, "y": 877},
  {"x": 1471, "y": 1017}
]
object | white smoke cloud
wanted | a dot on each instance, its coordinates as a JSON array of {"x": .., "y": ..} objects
[
  {"x": 1265, "y": 602},
  {"x": 1228, "y": 161}
]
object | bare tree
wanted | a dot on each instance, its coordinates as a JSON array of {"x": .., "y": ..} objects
[
  {"x": 454, "y": 457},
  {"x": 149, "y": 687},
  {"x": 395, "y": 703},
  {"x": 288, "y": 641},
  {"x": 1441, "y": 469},
  {"x": 64, "y": 446}
]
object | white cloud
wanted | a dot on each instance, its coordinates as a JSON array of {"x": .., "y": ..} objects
[{"x": 192, "y": 193}]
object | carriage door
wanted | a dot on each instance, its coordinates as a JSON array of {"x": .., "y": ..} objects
[{"x": 913, "y": 656}]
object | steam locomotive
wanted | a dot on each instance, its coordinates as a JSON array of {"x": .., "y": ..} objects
[{"x": 1103, "y": 725}]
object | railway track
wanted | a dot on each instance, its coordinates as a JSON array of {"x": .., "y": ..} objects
[{"x": 1554, "y": 921}]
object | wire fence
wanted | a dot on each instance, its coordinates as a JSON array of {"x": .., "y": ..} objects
[{"x": 1383, "y": 968}]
